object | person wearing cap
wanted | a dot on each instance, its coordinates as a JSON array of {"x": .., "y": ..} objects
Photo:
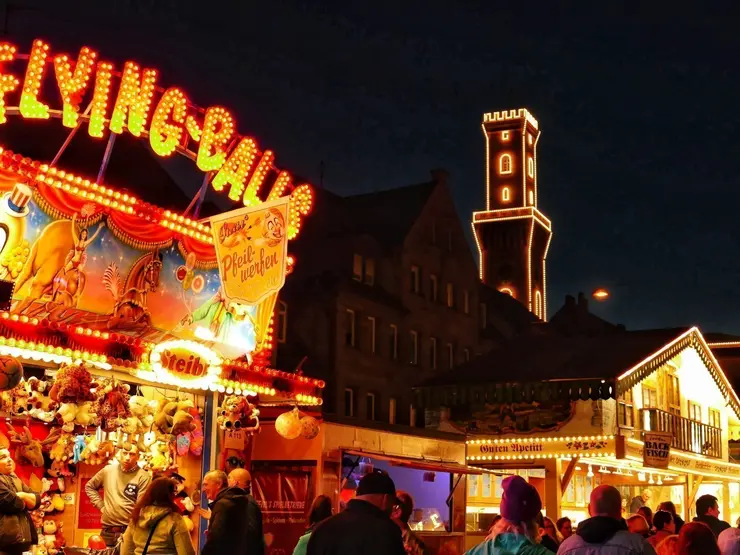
[
  {"x": 365, "y": 526},
  {"x": 605, "y": 532},
  {"x": 518, "y": 531}
]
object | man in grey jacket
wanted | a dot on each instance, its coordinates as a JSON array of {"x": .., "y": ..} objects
[
  {"x": 123, "y": 484},
  {"x": 605, "y": 533}
]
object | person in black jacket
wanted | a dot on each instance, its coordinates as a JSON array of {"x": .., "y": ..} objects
[
  {"x": 707, "y": 512},
  {"x": 365, "y": 526},
  {"x": 17, "y": 532},
  {"x": 235, "y": 525}
]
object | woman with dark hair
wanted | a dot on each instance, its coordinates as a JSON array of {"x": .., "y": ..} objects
[
  {"x": 647, "y": 513},
  {"x": 321, "y": 509},
  {"x": 671, "y": 508},
  {"x": 156, "y": 523},
  {"x": 664, "y": 527},
  {"x": 696, "y": 538}
]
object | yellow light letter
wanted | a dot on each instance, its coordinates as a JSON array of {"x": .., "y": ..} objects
[
  {"x": 73, "y": 83},
  {"x": 301, "y": 200},
  {"x": 251, "y": 195},
  {"x": 30, "y": 106},
  {"x": 234, "y": 171},
  {"x": 100, "y": 100},
  {"x": 278, "y": 188},
  {"x": 163, "y": 135},
  {"x": 218, "y": 127},
  {"x": 8, "y": 82},
  {"x": 135, "y": 97}
]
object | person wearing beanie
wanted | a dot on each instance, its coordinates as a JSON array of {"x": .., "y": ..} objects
[
  {"x": 365, "y": 526},
  {"x": 605, "y": 532},
  {"x": 518, "y": 530}
]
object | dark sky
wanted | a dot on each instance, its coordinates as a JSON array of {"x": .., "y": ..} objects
[{"x": 638, "y": 109}]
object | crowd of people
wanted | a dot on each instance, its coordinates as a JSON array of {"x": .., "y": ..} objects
[{"x": 521, "y": 528}]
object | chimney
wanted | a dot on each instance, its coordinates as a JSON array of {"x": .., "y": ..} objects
[
  {"x": 570, "y": 301},
  {"x": 440, "y": 175},
  {"x": 582, "y": 302}
]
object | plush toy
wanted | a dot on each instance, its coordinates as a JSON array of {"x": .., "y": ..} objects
[
  {"x": 111, "y": 405},
  {"x": 196, "y": 439},
  {"x": 98, "y": 452},
  {"x": 63, "y": 449},
  {"x": 139, "y": 407},
  {"x": 53, "y": 540},
  {"x": 79, "y": 447},
  {"x": 174, "y": 418},
  {"x": 57, "y": 502},
  {"x": 73, "y": 384},
  {"x": 236, "y": 413},
  {"x": 85, "y": 416}
]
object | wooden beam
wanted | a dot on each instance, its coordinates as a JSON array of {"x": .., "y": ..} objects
[
  {"x": 567, "y": 475},
  {"x": 693, "y": 490}
]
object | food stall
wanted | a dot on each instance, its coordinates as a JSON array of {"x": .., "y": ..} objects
[
  {"x": 124, "y": 325},
  {"x": 643, "y": 411}
]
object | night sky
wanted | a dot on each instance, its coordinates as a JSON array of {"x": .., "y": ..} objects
[{"x": 638, "y": 110}]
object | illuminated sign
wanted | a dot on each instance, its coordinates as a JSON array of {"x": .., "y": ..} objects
[
  {"x": 185, "y": 364},
  {"x": 90, "y": 89},
  {"x": 657, "y": 449},
  {"x": 252, "y": 250},
  {"x": 540, "y": 448}
]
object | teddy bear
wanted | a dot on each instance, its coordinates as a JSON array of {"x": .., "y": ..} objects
[
  {"x": 236, "y": 413},
  {"x": 53, "y": 540},
  {"x": 112, "y": 405},
  {"x": 73, "y": 384},
  {"x": 98, "y": 452},
  {"x": 139, "y": 408},
  {"x": 174, "y": 418}
]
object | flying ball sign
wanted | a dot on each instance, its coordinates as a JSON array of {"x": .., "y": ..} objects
[{"x": 186, "y": 364}]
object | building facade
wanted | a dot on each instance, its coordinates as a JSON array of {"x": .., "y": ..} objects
[
  {"x": 512, "y": 235},
  {"x": 387, "y": 294}
]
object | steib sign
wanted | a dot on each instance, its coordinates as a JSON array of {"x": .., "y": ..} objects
[
  {"x": 185, "y": 363},
  {"x": 252, "y": 248},
  {"x": 657, "y": 449}
]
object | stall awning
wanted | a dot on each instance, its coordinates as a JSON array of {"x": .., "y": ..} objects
[{"x": 431, "y": 465}]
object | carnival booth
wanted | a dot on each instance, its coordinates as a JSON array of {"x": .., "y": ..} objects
[
  {"x": 126, "y": 325},
  {"x": 637, "y": 410}
]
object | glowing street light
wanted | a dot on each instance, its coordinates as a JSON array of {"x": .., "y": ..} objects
[{"x": 600, "y": 294}]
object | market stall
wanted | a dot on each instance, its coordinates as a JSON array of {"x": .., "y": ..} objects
[{"x": 127, "y": 326}]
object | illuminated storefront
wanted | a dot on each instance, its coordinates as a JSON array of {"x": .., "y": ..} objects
[
  {"x": 165, "y": 322},
  {"x": 567, "y": 436}
]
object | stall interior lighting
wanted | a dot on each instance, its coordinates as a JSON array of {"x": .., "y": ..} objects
[{"x": 49, "y": 353}]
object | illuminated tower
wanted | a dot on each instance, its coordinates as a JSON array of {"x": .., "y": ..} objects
[{"x": 513, "y": 236}]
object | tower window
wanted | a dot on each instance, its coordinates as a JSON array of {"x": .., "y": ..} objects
[
  {"x": 507, "y": 290},
  {"x": 530, "y": 167},
  {"x": 505, "y": 136},
  {"x": 530, "y": 140},
  {"x": 538, "y": 305},
  {"x": 505, "y": 194},
  {"x": 531, "y": 198},
  {"x": 504, "y": 164}
]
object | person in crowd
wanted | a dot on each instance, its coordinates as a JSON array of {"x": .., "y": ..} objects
[
  {"x": 123, "y": 485},
  {"x": 494, "y": 521},
  {"x": 647, "y": 514},
  {"x": 321, "y": 509},
  {"x": 668, "y": 546},
  {"x": 565, "y": 527},
  {"x": 605, "y": 532},
  {"x": 729, "y": 541},
  {"x": 640, "y": 501},
  {"x": 697, "y": 538},
  {"x": 156, "y": 522},
  {"x": 664, "y": 527},
  {"x": 401, "y": 515},
  {"x": 707, "y": 512},
  {"x": 518, "y": 530},
  {"x": 236, "y": 520},
  {"x": 365, "y": 526},
  {"x": 548, "y": 534},
  {"x": 17, "y": 532},
  {"x": 671, "y": 508},
  {"x": 637, "y": 524}
]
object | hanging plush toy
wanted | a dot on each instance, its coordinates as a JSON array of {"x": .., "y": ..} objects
[
  {"x": 111, "y": 405},
  {"x": 237, "y": 413}
]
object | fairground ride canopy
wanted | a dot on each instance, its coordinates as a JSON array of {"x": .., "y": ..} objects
[{"x": 103, "y": 276}]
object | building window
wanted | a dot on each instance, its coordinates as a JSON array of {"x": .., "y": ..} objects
[
  {"x": 507, "y": 291},
  {"x": 538, "y": 305},
  {"x": 371, "y": 330},
  {"x": 694, "y": 411},
  {"x": 530, "y": 140},
  {"x": 450, "y": 356},
  {"x": 370, "y": 399},
  {"x": 282, "y": 322},
  {"x": 505, "y": 194},
  {"x": 530, "y": 166},
  {"x": 673, "y": 394},
  {"x": 392, "y": 411},
  {"x": 466, "y": 355},
  {"x": 505, "y": 136},
  {"x": 715, "y": 418},
  {"x": 434, "y": 288},
  {"x": 414, "y": 279},
  {"x": 393, "y": 340},
  {"x": 625, "y": 410},
  {"x": 357, "y": 267},
  {"x": 483, "y": 315},
  {"x": 450, "y": 295},
  {"x": 531, "y": 198},
  {"x": 370, "y": 271},
  {"x": 349, "y": 402},
  {"x": 649, "y": 397},
  {"x": 349, "y": 328},
  {"x": 504, "y": 164},
  {"x": 433, "y": 353},
  {"x": 466, "y": 301},
  {"x": 414, "y": 358}
]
